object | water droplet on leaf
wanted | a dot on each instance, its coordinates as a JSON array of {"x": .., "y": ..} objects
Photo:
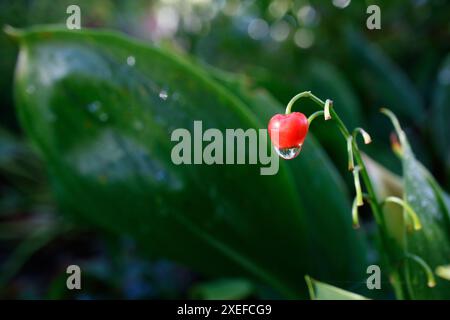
[
  {"x": 288, "y": 153},
  {"x": 131, "y": 61},
  {"x": 94, "y": 106},
  {"x": 163, "y": 94}
]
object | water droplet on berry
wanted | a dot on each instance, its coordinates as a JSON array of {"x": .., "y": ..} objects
[{"x": 288, "y": 153}]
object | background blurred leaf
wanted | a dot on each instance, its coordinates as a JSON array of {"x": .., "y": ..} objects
[
  {"x": 440, "y": 118},
  {"x": 223, "y": 289},
  {"x": 101, "y": 109},
  {"x": 389, "y": 86}
]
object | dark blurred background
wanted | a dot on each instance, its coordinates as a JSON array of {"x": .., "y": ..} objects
[{"x": 284, "y": 46}]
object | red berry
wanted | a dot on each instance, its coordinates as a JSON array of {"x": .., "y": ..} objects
[{"x": 288, "y": 130}]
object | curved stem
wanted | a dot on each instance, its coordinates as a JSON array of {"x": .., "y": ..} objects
[
  {"x": 359, "y": 196},
  {"x": 411, "y": 213},
  {"x": 431, "y": 282},
  {"x": 355, "y": 215},
  {"x": 391, "y": 253},
  {"x": 305, "y": 94},
  {"x": 314, "y": 116},
  {"x": 363, "y": 171},
  {"x": 351, "y": 162},
  {"x": 366, "y": 137},
  {"x": 395, "y": 122}
]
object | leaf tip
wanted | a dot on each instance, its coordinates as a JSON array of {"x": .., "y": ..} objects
[{"x": 395, "y": 145}]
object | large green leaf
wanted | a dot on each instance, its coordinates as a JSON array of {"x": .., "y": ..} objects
[
  {"x": 432, "y": 242},
  {"x": 101, "y": 110},
  {"x": 440, "y": 117}
]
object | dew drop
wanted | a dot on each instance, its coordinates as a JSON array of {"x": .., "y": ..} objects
[
  {"x": 131, "y": 61},
  {"x": 94, "y": 106},
  {"x": 163, "y": 94},
  {"x": 288, "y": 153}
]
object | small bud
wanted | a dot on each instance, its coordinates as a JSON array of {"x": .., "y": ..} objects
[
  {"x": 366, "y": 137},
  {"x": 395, "y": 145}
]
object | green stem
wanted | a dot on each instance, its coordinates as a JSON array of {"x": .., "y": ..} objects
[
  {"x": 359, "y": 196},
  {"x": 314, "y": 116},
  {"x": 409, "y": 211},
  {"x": 355, "y": 214},
  {"x": 305, "y": 94},
  {"x": 391, "y": 254},
  {"x": 351, "y": 161},
  {"x": 365, "y": 135},
  {"x": 431, "y": 282}
]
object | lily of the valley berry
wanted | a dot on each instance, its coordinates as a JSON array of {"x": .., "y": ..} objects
[{"x": 287, "y": 133}]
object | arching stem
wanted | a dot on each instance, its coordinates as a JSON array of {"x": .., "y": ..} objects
[
  {"x": 305, "y": 94},
  {"x": 431, "y": 282},
  {"x": 391, "y": 254},
  {"x": 366, "y": 137},
  {"x": 411, "y": 213},
  {"x": 314, "y": 116}
]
